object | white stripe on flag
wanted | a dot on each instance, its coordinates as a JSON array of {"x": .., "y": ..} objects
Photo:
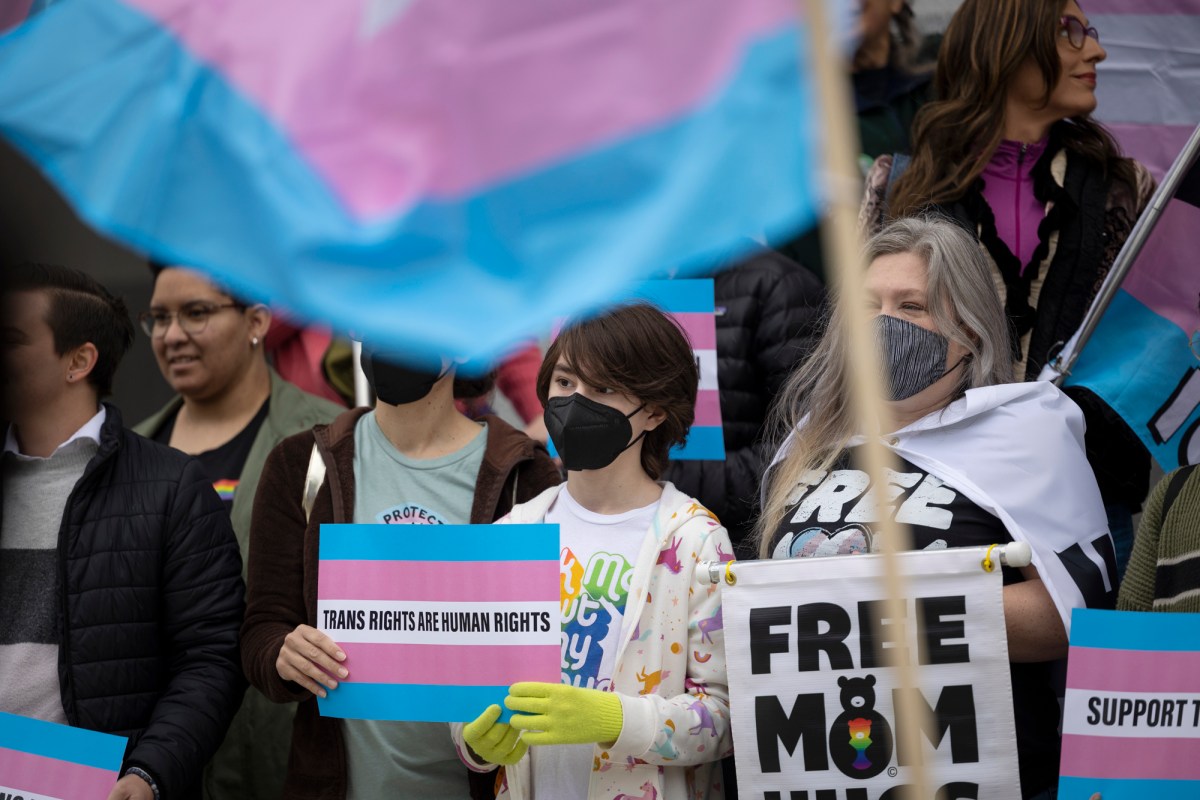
[{"x": 707, "y": 360}]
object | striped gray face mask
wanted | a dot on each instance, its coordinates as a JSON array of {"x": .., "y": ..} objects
[{"x": 913, "y": 358}]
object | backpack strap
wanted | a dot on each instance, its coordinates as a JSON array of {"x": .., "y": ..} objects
[
  {"x": 1175, "y": 487},
  {"x": 313, "y": 481}
]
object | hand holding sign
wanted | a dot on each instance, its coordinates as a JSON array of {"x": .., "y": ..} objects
[
  {"x": 494, "y": 742},
  {"x": 131, "y": 787},
  {"x": 308, "y": 658},
  {"x": 561, "y": 714}
]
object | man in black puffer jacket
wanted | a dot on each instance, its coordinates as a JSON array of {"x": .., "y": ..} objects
[
  {"x": 769, "y": 312},
  {"x": 119, "y": 572}
]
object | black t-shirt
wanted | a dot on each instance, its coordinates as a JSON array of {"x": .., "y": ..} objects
[
  {"x": 832, "y": 514},
  {"x": 223, "y": 464}
]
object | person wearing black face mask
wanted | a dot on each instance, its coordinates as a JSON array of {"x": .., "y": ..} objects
[
  {"x": 619, "y": 391},
  {"x": 980, "y": 459},
  {"x": 412, "y": 460}
]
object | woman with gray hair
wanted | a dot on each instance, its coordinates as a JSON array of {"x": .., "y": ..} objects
[{"x": 981, "y": 460}]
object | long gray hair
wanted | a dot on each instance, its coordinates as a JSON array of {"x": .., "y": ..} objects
[{"x": 965, "y": 307}]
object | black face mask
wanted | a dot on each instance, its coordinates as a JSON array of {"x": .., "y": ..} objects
[
  {"x": 393, "y": 383},
  {"x": 587, "y": 434}
]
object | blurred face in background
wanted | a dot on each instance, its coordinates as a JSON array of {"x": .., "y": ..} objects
[{"x": 203, "y": 340}]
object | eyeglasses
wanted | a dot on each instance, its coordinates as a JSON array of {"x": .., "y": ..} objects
[
  {"x": 193, "y": 318},
  {"x": 1076, "y": 33}
]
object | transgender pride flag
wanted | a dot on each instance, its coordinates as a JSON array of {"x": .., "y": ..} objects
[
  {"x": 1131, "y": 719},
  {"x": 692, "y": 304},
  {"x": 436, "y": 626},
  {"x": 46, "y": 761},
  {"x": 446, "y": 175},
  {"x": 1143, "y": 357},
  {"x": 1149, "y": 87}
]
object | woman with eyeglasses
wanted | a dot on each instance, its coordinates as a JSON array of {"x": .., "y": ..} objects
[
  {"x": 230, "y": 410},
  {"x": 1009, "y": 150}
]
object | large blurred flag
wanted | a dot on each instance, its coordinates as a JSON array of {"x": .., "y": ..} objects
[
  {"x": 1143, "y": 357},
  {"x": 450, "y": 174},
  {"x": 1149, "y": 87}
]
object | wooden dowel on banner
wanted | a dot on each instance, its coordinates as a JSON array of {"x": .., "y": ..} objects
[{"x": 841, "y": 241}]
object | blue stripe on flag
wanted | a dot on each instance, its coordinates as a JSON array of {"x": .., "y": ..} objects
[
  {"x": 1133, "y": 361},
  {"x": 95, "y": 91},
  {"x": 452, "y": 543},
  {"x": 61, "y": 742},
  {"x": 1133, "y": 630},
  {"x": 1070, "y": 788},
  {"x": 412, "y": 702},
  {"x": 704, "y": 443},
  {"x": 679, "y": 297}
]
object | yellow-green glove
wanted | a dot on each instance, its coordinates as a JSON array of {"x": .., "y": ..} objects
[
  {"x": 494, "y": 742},
  {"x": 561, "y": 714}
]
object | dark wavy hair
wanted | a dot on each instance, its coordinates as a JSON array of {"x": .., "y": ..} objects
[
  {"x": 637, "y": 350},
  {"x": 955, "y": 135},
  {"x": 81, "y": 311}
]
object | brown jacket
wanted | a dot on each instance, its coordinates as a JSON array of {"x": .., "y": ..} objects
[{"x": 284, "y": 548}]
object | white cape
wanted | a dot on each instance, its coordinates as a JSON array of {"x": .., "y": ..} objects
[{"x": 1016, "y": 450}]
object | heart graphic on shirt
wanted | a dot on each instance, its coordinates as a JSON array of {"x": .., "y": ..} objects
[{"x": 849, "y": 540}]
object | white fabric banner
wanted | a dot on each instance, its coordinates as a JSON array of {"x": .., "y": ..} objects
[{"x": 813, "y": 704}]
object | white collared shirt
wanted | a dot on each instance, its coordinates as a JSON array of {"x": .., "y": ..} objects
[{"x": 89, "y": 430}]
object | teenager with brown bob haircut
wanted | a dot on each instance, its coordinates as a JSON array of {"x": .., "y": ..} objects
[
  {"x": 643, "y": 653},
  {"x": 611, "y": 351}
]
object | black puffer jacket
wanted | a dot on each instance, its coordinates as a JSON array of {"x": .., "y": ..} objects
[
  {"x": 769, "y": 312},
  {"x": 150, "y": 604}
]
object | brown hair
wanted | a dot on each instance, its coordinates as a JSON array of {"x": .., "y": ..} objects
[
  {"x": 81, "y": 310},
  {"x": 637, "y": 350},
  {"x": 955, "y": 135}
]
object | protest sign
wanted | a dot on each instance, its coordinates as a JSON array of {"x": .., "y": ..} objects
[
  {"x": 1131, "y": 720},
  {"x": 436, "y": 628},
  {"x": 691, "y": 303},
  {"x": 814, "y": 703},
  {"x": 46, "y": 761}
]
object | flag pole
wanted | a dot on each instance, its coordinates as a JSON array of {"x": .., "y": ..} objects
[
  {"x": 1129, "y": 253},
  {"x": 839, "y": 232}
]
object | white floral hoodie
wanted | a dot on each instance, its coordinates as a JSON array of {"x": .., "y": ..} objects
[{"x": 669, "y": 671}]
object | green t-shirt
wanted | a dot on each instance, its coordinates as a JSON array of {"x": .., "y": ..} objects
[{"x": 402, "y": 760}]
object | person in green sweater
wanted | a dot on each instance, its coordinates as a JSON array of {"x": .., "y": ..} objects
[
  {"x": 230, "y": 411},
  {"x": 1164, "y": 568}
]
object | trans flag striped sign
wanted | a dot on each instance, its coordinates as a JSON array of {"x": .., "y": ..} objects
[
  {"x": 436, "y": 628},
  {"x": 1131, "y": 722},
  {"x": 47, "y": 761},
  {"x": 691, "y": 304},
  {"x": 446, "y": 176}
]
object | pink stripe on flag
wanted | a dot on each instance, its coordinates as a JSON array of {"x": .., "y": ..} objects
[
  {"x": 708, "y": 408},
  {"x": 1101, "y": 670},
  {"x": 700, "y": 328},
  {"x": 444, "y": 581},
  {"x": 451, "y": 96},
  {"x": 1186, "y": 7},
  {"x": 48, "y": 776},
  {"x": 1141, "y": 759},
  {"x": 1156, "y": 146},
  {"x": 452, "y": 665},
  {"x": 1164, "y": 278}
]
